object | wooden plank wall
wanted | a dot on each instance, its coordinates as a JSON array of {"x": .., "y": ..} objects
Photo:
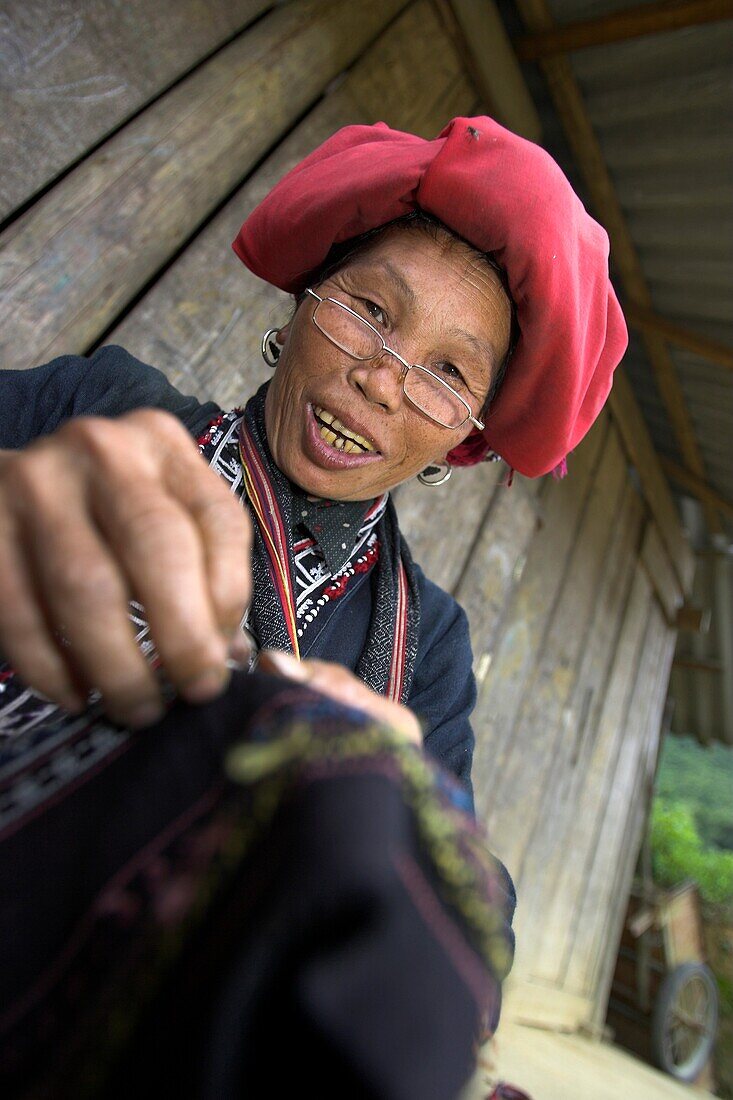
[
  {"x": 568, "y": 585},
  {"x": 75, "y": 72},
  {"x": 573, "y": 665}
]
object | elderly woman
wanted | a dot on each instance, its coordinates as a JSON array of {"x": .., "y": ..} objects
[
  {"x": 391, "y": 365},
  {"x": 452, "y": 303}
]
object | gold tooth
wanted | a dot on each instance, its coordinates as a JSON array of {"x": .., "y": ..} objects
[
  {"x": 329, "y": 436},
  {"x": 350, "y": 446}
]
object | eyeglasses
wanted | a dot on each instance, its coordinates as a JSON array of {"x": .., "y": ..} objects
[{"x": 351, "y": 333}]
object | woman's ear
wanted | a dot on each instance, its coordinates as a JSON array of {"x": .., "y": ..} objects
[{"x": 282, "y": 334}]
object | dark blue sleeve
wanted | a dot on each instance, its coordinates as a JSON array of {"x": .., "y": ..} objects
[
  {"x": 108, "y": 383},
  {"x": 443, "y": 691}
]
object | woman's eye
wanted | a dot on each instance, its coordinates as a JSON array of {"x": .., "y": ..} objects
[
  {"x": 451, "y": 373},
  {"x": 375, "y": 312}
]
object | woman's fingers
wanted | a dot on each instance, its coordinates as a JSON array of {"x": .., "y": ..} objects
[
  {"x": 106, "y": 511},
  {"x": 25, "y": 637},
  {"x": 188, "y": 552},
  {"x": 78, "y": 587},
  {"x": 86, "y": 599},
  {"x": 226, "y": 535},
  {"x": 342, "y": 685},
  {"x": 160, "y": 550}
]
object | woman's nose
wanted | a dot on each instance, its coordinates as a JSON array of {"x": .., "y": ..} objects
[{"x": 380, "y": 379}]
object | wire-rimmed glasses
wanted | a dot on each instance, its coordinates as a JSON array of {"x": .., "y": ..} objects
[{"x": 351, "y": 333}]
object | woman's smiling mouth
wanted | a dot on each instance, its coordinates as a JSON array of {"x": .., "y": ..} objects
[
  {"x": 337, "y": 435},
  {"x": 333, "y": 446}
]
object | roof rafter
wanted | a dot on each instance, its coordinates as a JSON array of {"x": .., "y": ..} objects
[
  {"x": 589, "y": 159},
  {"x": 665, "y": 15},
  {"x": 713, "y": 350},
  {"x": 696, "y": 486}
]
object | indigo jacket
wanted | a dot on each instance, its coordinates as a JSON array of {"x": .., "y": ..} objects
[{"x": 112, "y": 382}]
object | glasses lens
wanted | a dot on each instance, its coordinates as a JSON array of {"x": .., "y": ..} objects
[
  {"x": 347, "y": 331},
  {"x": 435, "y": 398}
]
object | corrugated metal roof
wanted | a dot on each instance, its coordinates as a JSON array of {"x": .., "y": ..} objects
[{"x": 662, "y": 109}]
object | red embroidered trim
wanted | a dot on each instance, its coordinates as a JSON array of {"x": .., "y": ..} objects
[
  {"x": 210, "y": 429},
  {"x": 361, "y": 565}
]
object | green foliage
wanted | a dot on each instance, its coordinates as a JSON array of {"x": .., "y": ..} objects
[
  {"x": 701, "y": 778},
  {"x": 725, "y": 989},
  {"x": 678, "y": 853}
]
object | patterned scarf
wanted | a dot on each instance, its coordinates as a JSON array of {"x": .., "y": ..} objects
[{"x": 387, "y": 662}]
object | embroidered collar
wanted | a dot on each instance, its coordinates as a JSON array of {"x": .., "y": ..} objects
[
  {"x": 236, "y": 447},
  {"x": 332, "y": 524}
]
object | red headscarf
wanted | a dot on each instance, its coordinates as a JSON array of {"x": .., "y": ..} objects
[{"x": 503, "y": 195}]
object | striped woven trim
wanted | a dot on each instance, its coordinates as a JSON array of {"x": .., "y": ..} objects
[
  {"x": 264, "y": 502},
  {"x": 399, "y": 648}
]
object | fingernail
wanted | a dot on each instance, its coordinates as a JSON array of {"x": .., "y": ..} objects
[
  {"x": 206, "y": 686},
  {"x": 146, "y": 714},
  {"x": 284, "y": 664}
]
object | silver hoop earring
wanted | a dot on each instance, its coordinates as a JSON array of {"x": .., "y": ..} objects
[
  {"x": 437, "y": 473},
  {"x": 270, "y": 348}
]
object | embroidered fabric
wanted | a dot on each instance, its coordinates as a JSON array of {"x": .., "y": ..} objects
[
  {"x": 316, "y": 587},
  {"x": 199, "y": 877},
  {"x": 333, "y": 524}
]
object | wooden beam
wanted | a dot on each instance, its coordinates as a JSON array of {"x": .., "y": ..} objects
[
  {"x": 648, "y": 321},
  {"x": 638, "y": 445},
  {"x": 72, "y": 263},
  {"x": 75, "y": 72},
  {"x": 481, "y": 40},
  {"x": 696, "y": 486},
  {"x": 661, "y": 574},
  {"x": 666, "y": 15},
  {"x": 586, "y": 149}
]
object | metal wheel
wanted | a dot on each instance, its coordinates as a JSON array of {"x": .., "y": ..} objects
[{"x": 684, "y": 1021}]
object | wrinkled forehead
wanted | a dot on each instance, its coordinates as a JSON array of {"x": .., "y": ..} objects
[{"x": 432, "y": 264}]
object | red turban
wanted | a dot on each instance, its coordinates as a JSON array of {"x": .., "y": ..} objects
[{"x": 504, "y": 195}]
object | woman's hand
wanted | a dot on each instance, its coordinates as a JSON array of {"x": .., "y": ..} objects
[
  {"x": 101, "y": 512},
  {"x": 341, "y": 684}
]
